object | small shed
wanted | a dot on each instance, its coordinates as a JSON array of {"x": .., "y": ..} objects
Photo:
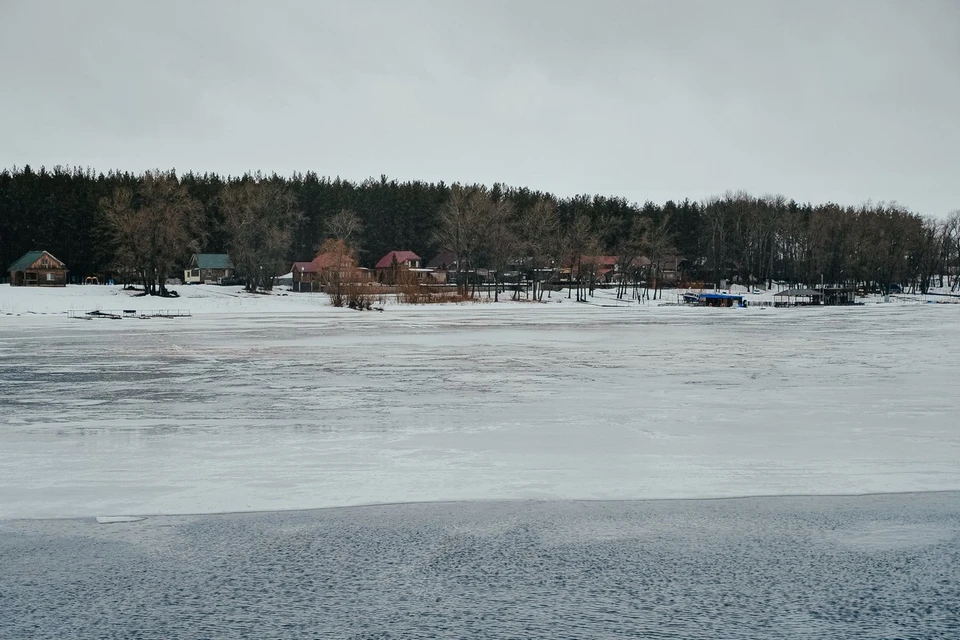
[
  {"x": 38, "y": 269},
  {"x": 798, "y": 297},
  {"x": 208, "y": 268}
]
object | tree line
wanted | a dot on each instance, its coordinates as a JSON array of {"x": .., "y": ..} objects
[{"x": 143, "y": 227}]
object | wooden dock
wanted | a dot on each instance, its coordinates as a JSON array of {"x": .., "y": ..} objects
[{"x": 119, "y": 314}]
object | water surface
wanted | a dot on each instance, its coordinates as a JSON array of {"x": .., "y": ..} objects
[{"x": 885, "y": 566}]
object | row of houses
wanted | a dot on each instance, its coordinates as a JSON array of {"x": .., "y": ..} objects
[
  {"x": 343, "y": 267},
  {"x": 443, "y": 269},
  {"x": 41, "y": 268}
]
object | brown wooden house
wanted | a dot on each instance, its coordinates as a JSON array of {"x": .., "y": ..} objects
[
  {"x": 391, "y": 267},
  {"x": 330, "y": 268},
  {"x": 38, "y": 269}
]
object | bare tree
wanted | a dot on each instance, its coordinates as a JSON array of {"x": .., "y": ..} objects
[
  {"x": 153, "y": 228},
  {"x": 582, "y": 244},
  {"x": 629, "y": 247},
  {"x": 538, "y": 228},
  {"x": 658, "y": 241},
  {"x": 927, "y": 254},
  {"x": 499, "y": 241},
  {"x": 715, "y": 235},
  {"x": 952, "y": 241},
  {"x": 128, "y": 232},
  {"x": 338, "y": 270},
  {"x": 774, "y": 206},
  {"x": 345, "y": 225},
  {"x": 259, "y": 216},
  {"x": 460, "y": 228}
]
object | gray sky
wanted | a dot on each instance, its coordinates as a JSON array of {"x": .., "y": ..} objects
[{"x": 819, "y": 101}]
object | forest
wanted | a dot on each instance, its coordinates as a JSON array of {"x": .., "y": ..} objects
[{"x": 143, "y": 227}]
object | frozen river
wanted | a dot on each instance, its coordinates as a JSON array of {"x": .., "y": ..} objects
[
  {"x": 238, "y": 412},
  {"x": 792, "y": 568}
]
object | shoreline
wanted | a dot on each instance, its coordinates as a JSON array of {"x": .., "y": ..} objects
[{"x": 139, "y": 517}]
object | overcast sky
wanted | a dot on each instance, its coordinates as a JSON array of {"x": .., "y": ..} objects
[{"x": 840, "y": 101}]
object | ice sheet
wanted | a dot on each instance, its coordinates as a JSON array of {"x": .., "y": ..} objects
[{"x": 296, "y": 409}]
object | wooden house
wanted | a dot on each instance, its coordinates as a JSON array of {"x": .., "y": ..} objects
[
  {"x": 38, "y": 269},
  {"x": 394, "y": 263},
  {"x": 670, "y": 268},
  {"x": 208, "y": 268},
  {"x": 443, "y": 267},
  {"x": 326, "y": 269},
  {"x": 590, "y": 268}
]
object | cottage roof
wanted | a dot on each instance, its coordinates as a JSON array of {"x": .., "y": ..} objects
[
  {"x": 839, "y": 288},
  {"x": 25, "y": 260},
  {"x": 324, "y": 261},
  {"x": 29, "y": 258},
  {"x": 598, "y": 261},
  {"x": 213, "y": 260},
  {"x": 799, "y": 293},
  {"x": 305, "y": 267},
  {"x": 443, "y": 259},
  {"x": 400, "y": 256}
]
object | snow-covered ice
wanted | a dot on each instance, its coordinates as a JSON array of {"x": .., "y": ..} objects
[
  {"x": 119, "y": 519},
  {"x": 281, "y": 402}
]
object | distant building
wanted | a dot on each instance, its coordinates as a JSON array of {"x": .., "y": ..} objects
[
  {"x": 208, "y": 268},
  {"x": 797, "y": 297},
  {"x": 670, "y": 268},
  {"x": 444, "y": 261},
  {"x": 38, "y": 269},
  {"x": 445, "y": 268},
  {"x": 838, "y": 295},
  {"x": 589, "y": 268},
  {"x": 829, "y": 295},
  {"x": 394, "y": 263},
  {"x": 328, "y": 268},
  {"x": 605, "y": 267}
]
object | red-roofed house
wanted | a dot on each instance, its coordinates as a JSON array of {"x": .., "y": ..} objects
[
  {"x": 406, "y": 259},
  {"x": 606, "y": 266},
  {"x": 326, "y": 268},
  {"x": 393, "y": 263},
  {"x": 591, "y": 267}
]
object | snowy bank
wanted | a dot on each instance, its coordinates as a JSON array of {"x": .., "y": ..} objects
[{"x": 206, "y": 299}]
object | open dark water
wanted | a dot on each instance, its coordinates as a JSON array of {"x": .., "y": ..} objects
[{"x": 878, "y": 567}]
